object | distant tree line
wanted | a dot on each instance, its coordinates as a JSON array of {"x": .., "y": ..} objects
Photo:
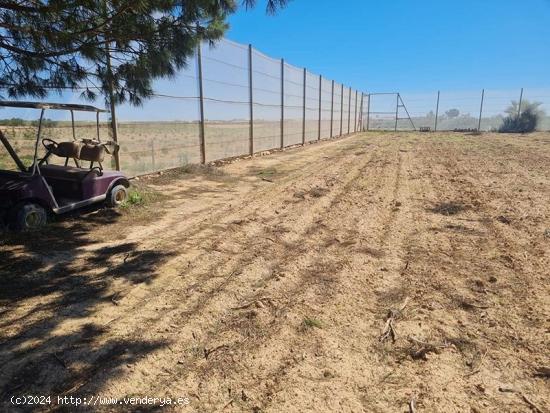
[{"x": 22, "y": 122}]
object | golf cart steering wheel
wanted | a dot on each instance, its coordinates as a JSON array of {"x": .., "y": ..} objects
[{"x": 51, "y": 145}]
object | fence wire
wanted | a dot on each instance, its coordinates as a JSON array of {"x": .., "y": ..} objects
[
  {"x": 483, "y": 110},
  {"x": 251, "y": 102}
]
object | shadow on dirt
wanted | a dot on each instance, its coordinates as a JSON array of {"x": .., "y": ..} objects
[
  {"x": 448, "y": 208},
  {"x": 208, "y": 172},
  {"x": 49, "y": 282}
]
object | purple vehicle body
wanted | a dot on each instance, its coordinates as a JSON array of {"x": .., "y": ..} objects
[{"x": 27, "y": 196}]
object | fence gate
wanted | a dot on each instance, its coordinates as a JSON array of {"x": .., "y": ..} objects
[{"x": 387, "y": 111}]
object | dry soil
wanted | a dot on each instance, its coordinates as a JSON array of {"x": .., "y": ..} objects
[{"x": 367, "y": 274}]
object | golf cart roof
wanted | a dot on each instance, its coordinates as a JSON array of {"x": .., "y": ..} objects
[{"x": 47, "y": 105}]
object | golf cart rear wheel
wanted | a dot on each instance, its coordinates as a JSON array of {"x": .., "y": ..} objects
[
  {"x": 30, "y": 217},
  {"x": 117, "y": 196}
]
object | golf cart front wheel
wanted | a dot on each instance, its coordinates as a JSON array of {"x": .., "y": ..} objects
[
  {"x": 117, "y": 196},
  {"x": 30, "y": 217}
]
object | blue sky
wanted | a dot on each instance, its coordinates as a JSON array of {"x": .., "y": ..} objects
[{"x": 413, "y": 46}]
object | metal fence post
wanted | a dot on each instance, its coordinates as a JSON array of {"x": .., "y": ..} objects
[
  {"x": 319, "y": 126},
  {"x": 396, "y": 112},
  {"x": 349, "y": 109},
  {"x": 520, "y": 101},
  {"x": 282, "y": 103},
  {"x": 304, "y": 110},
  {"x": 436, "y": 111},
  {"x": 201, "y": 107},
  {"x": 332, "y": 110},
  {"x": 480, "y": 110},
  {"x": 250, "y": 94},
  {"x": 114, "y": 127},
  {"x": 153, "y": 163},
  {"x": 368, "y": 111},
  {"x": 112, "y": 104},
  {"x": 355, "y": 116},
  {"x": 341, "y": 108},
  {"x": 360, "y": 126}
]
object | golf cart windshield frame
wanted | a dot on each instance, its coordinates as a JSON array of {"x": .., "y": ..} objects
[{"x": 43, "y": 107}]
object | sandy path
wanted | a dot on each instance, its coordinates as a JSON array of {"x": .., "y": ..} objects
[{"x": 270, "y": 295}]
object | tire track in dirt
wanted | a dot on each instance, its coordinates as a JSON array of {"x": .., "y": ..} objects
[
  {"x": 324, "y": 377},
  {"x": 407, "y": 378},
  {"x": 138, "y": 309},
  {"x": 287, "y": 360},
  {"x": 465, "y": 304},
  {"x": 55, "y": 345},
  {"x": 336, "y": 242},
  {"x": 212, "y": 240},
  {"x": 194, "y": 310},
  {"x": 518, "y": 266},
  {"x": 171, "y": 228}
]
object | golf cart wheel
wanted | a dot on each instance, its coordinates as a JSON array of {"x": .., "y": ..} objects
[
  {"x": 117, "y": 196},
  {"x": 30, "y": 217}
]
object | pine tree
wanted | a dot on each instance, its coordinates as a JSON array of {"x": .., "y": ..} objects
[{"x": 94, "y": 45}]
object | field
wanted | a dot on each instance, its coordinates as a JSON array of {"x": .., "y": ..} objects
[
  {"x": 366, "y": 273},
  {"x": 151, "y": 146}
]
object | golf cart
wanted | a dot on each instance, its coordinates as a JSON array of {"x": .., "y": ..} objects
[{"x": 30, "y": 193}]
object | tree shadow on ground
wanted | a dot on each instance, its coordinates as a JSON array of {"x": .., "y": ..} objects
[{"x": 50, "y": 282}]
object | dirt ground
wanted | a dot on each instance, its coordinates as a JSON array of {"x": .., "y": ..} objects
[{"x": 367, "y": 274}]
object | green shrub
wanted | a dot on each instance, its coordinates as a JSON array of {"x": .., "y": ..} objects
[
  {"x": 523, "y": 122},
  {"x": 526, "y": 122},
  {"x": 134, "y": 198}
]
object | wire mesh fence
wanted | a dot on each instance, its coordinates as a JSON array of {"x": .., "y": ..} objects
[
  {"x": 230, "y": 100},
  {"x": 233, "y": 100},
  {"x": 483, "y": 110}
]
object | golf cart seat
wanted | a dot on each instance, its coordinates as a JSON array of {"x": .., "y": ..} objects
[
  {"x": 86, "y": 150},
  {"x": 68, "y": 173},
  {"x": 66, "y": 149},
  {"x": 92, "y": 151}
]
